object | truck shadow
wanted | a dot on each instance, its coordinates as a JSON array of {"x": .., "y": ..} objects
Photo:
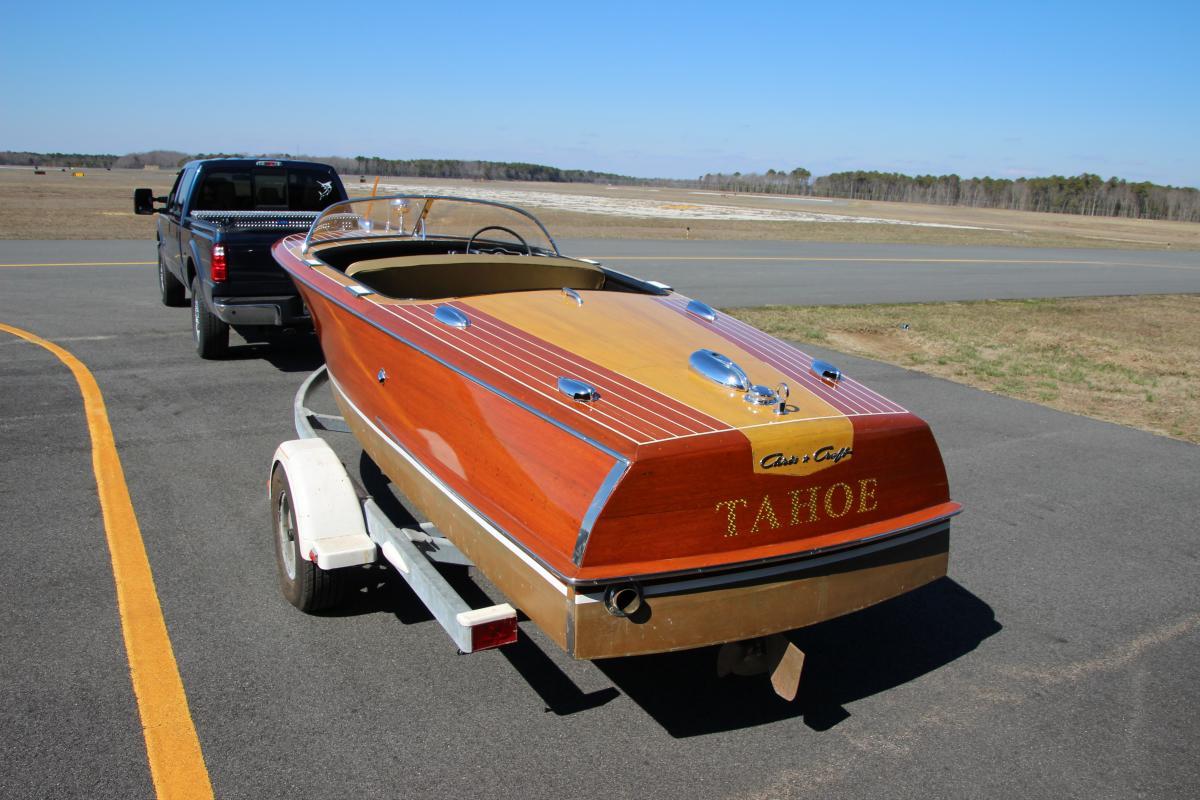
[
  {"x": 293, "y": 352},
  {"x": 846, "y": 659}
]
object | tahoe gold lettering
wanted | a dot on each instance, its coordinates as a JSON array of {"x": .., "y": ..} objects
[
  {"x": 849, "y": 498},
  {"x": 866, "y": 491},
  {"x": 811, "y": 504},
  {"x": 767, "y": 512},
  {"x": 731, "y": 510},
  {"x": 798, "y": 504}
]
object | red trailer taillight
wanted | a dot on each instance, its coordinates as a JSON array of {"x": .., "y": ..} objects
[{"x": 220, "y": 271}]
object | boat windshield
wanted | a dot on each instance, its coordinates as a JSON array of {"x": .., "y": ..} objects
[{"x": 421, "y": 217}]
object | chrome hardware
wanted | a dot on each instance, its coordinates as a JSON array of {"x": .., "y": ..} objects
[
  {"x": 661, "y": 286},
  {"x": 449, "y": 315},
  {"x": 719, "y": 368},
  {"x": 381, "y": 376},
  {"x": 623, "y": 601},
  {"x": 782, "y": 392},
  {"x": 359, "y": 290},
  {"x": 760, "y": 395},
  {"x": 574, "y": 295},
  {"x": 826, "y": 371},
  {"x": 578, "y": 390},
  {"x": 702, "y": 310}
]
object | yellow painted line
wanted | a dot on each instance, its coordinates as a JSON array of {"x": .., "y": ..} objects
[
  {"x": 172, "y": 747},
  {"x": 87, "y": 264}
]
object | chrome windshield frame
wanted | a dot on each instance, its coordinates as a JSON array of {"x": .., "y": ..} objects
[{"x": 428, "y": 204}]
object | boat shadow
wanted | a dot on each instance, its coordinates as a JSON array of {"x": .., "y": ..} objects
[
  {"x": 846, "y": 659},
  {"x": 378, "y": 588}
]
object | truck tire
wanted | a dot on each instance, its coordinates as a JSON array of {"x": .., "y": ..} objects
[
  {"x": 169, "y": 288},
  {"x": 304, "y": 584},
  {"x": 210, "y": 333}
]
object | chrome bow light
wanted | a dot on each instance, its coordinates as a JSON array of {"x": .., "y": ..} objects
[{"x": 720, "y": 369}]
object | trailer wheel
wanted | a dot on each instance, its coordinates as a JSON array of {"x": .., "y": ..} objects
[
  {"x": 169, "y": 288},
  {"x": 304, "y": 584},
  {"x": 210, "y": 333}
]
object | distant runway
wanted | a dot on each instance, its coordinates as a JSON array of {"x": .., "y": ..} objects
[{"x": 734, "y": 273}]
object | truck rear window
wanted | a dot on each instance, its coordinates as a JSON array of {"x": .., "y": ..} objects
[{"x": 265, "y": 190}]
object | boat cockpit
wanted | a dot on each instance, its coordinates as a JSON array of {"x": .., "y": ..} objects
[{"x": 420, "y": 247}]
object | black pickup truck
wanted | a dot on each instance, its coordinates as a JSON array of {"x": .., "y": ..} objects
[{"x": 215, "y": 231}]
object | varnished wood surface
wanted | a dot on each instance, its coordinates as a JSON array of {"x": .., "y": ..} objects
[{"x": 692, "y": 498}]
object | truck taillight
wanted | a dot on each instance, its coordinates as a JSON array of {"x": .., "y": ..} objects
[{"x": 220, "y": 271}]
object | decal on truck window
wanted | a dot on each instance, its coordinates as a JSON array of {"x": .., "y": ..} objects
[{"x": 326, "y": 188}]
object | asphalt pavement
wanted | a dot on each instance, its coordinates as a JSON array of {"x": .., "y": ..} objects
[{"x": 1059, "y": 659}]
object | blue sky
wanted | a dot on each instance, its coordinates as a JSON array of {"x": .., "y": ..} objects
[{"x": 663, "y": 89}]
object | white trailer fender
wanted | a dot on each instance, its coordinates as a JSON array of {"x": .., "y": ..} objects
[{"x": 329, "y": 515}]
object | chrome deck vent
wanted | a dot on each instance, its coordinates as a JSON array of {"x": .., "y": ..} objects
[
  {"x": 449, "y": 315},
  {"x": 719, "y": 368},
  {"x": 826, "y": 371},
  {"x": 578, "y": 390},
  {"x": 702, "y": 310}
]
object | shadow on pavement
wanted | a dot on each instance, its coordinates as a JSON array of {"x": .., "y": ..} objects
[
  {"x": 847, "y": 659},
  {"x": 287, "y": 352},
  {"x": 379, "y": 589}
]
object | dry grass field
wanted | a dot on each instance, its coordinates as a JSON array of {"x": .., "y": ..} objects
[
  {"x": 1130, "y": 360},
  {"x": 99, "y": 206}
]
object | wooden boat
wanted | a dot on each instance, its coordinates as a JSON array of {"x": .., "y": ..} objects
[{"x": 637, "y": 472}]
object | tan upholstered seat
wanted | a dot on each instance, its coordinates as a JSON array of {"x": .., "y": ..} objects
[{"x": 429, "y": 277}]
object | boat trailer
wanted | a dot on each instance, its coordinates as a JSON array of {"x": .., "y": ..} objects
[
  {"x": 325, "y": 520},
  {"x": 333, "y": 522}
]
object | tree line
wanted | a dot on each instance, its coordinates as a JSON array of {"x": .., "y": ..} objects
[
  {"x": 1085, "y": 194},
  {"x": 1081, "y": 194}
]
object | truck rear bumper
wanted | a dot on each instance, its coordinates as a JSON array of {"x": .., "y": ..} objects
[{"x": 270, "y": 311}]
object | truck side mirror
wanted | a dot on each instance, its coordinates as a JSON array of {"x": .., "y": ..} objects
[{"x": 143, "y": 201}]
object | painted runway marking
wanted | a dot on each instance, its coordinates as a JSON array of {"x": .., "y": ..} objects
[
  {"x": 87, "y": 264},
  {"x": 172, "y": 746},
  {"x": 854, "y": 259}
]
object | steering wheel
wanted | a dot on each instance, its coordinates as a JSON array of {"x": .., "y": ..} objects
[{"x": 509, "y": 231}]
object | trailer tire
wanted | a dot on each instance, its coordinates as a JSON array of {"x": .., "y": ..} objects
[
  {"x": 169, "y": 288},
  {"x": 304, "y": 584},
  {"x": 210, "y": 333}
]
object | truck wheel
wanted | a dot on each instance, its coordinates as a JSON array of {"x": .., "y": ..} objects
[
  {"x": 304, "y": 584},
  {"x": 169, "y": 287},
  {"x": 210, "y": 333}
]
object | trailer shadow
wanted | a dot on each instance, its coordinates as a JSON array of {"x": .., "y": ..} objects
[{"x": 846, "y": 659}]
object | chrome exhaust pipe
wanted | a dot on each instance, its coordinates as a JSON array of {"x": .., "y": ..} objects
[{"x": 623, "y": 600}]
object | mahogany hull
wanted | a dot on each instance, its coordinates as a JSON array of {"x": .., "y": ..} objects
[{"x": 843, "y": 503}]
